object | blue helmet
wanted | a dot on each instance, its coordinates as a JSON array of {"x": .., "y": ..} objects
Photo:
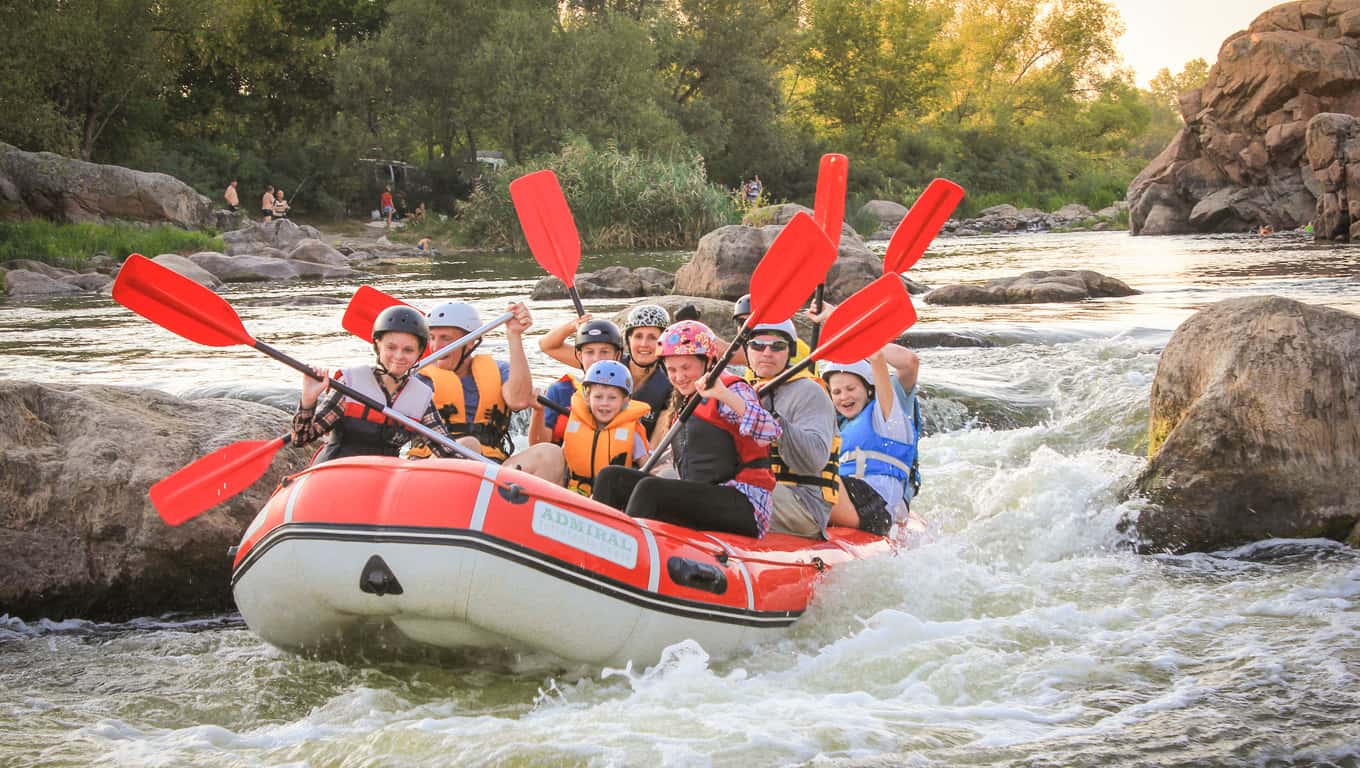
[{"x": 612, "y": 373}]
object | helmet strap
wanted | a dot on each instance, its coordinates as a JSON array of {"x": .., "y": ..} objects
[
  {"x": 383, "y": 370},
  {"x": 467, "y": 353}
]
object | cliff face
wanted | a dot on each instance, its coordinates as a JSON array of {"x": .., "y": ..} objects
[{"x": 1241, "y": 159}]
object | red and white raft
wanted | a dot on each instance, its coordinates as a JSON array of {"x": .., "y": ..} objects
[{"x": 458, "y": 554}]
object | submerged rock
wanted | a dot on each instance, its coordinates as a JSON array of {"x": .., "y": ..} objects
[
  {"x": 1033, "y": 287},
  {"x": 80, "y": 535},
  {"x": 1254, "y": 430}
]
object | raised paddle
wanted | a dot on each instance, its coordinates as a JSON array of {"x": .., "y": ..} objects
[
  {"x": 788, "y": 272},
  {"x": 549, "y": 228},
  {"x": 363, "y": 310},
  {"x": 368, "y": 302},
  {"x": 828, "y": 210},
  {"x": 921, "y": 224},
  {"x": 872, "y": 317}
]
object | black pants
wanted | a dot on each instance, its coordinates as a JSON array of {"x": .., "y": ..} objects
[{"x": 695, "y": 505}]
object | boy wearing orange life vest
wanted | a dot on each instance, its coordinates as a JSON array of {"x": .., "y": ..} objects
[
  {"x": 605, "y": 427},
  {"x": 595, "y": 340}
]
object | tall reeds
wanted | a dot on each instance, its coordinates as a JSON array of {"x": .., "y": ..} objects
[{"x": 620, "y": 200}]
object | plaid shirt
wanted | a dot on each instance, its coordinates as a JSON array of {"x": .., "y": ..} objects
[
  {"x": 312, "y": 423},
  {"x": 759, "y": 424}
]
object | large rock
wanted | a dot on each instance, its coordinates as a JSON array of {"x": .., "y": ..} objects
[
  {"x": 727, "y": 257},
  {"x": 281, "y": 234},
  {"x": 1240, "y": 161},
  {"x": 887, "y": 213},
  {"x": 189, "y": 269},
  {"x": 60, "y": 188},
  {"x": 245, "y": 269},
  {"x": 715, "y": 313},
  {"x": 609, "y": 283},
  {"x": 22, "y": 282},
  {"x": 1254, "y": 429},
  {"x": 317, "y": 252},
  {"x": 1038, "y": 286},
  {"x": 80, "y": 537},
  {"x": 1334, "y": 157}
]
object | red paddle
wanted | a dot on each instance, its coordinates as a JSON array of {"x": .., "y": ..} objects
[
  {"x": 921, "y": 224},
  {"x": 785, "y": 276},
  {"x": 193, "y": 311},
  {"x": 368, "y": 302},
  {"x": 828, "y": 210},
  {"x": 214, "y": 478},
  {"x": 549, "y": 228},
  {"x": 872, "y": 317}
]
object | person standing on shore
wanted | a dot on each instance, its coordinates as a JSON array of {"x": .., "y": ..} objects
[
  {"x": 267, "y": 203},
  {"x": 281, "y": 205},
  {"x": 388, "y": 208},
  {"x": 233, "y": 202}
]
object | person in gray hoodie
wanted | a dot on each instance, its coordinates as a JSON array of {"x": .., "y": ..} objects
[{"x": 804, "y": 458}]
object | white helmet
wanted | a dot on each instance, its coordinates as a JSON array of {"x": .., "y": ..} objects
[
  {"x": 860, "y": 368},
  {"x": 455, "y": 314},
  {"x": 785, "y": 328}
]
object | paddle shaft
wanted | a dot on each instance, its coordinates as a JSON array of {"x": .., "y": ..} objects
[
  {"x": 693, "y": 402},
  {"x": 561, "y": 409},
  {"x": 576, "y": 299},
  {"x": 468, "y": 339},
  {"x": 818, "y": 301},
  {"x": 409, "y": 423}
]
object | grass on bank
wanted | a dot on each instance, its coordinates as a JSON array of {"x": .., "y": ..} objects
[
  {"x": 619, "y": 200},
  {"x": 72, "y": 245}
]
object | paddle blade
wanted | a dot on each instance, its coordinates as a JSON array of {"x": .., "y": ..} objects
[
  {"x": 364, "y": 308},
  {"x": 828, "y": 210},
  {"x": 213, "y": 479},
  {"x": 873, "y": 316},
  {"x": 921, "y": 224},
  {"x": 547, "y": 223},
  {"x": 178, "y": 304},
  {"x": 793, "y": 266}
]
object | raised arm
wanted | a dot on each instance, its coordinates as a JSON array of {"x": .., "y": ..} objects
[
  {"x": 518, "y": 389},
  {"x": 554, "y": 343},
  {"x": 906, "y": 362}
]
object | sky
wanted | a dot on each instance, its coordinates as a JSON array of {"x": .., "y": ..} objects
[{"x": 1168, "y": 33}]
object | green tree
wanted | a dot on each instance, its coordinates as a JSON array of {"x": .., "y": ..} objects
[
  {"x": 1166, "y": 88},
  {"x": 870, "y": 65}
]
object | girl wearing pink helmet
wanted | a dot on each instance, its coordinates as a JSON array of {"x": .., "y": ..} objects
[{"x": 721, "y": 454}]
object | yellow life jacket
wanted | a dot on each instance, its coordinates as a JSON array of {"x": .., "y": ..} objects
[
  {"x": 491, "y": 424},
  {"x": 826, "y": 479},
  {"x": 588, "y": 448}
]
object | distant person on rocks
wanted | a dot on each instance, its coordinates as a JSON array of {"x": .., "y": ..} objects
[
  {"x": 233, "y": 202},
  {"x": 281, "y": 205},
  {"x": 388, "y": 207},
  {"x": 267, "y": 203},
  {"x": 754, "y": 188},
  {"x": 418, "y": 215}
]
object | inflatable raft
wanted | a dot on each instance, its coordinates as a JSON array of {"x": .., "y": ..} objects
[{"x": 458, "y": 554}]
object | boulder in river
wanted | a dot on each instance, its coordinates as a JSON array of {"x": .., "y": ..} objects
[
  {"x": 75, "y": 191},
  {"x": 282, "y": 234},
  {"x": 722, "y": 266},
  {"x": 1254, "y": 430},
  {"x": 1034, "y": 287},
  {"x": 80, "y": 537},
  {"x": 615, "y": 282},
  {"x": 189, "y": 269},
  {"x": 246, "y": 268}
]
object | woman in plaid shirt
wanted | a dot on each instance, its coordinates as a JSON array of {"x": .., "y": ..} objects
[{"x": 353, "y": 429}]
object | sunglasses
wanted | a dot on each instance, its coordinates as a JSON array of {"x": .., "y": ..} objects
[{"x": 761, "y": 346}]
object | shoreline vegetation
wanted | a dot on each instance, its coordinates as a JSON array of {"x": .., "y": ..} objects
[
  {"x": 74, "y": 245},
  {"x": 662, "y": 109}
]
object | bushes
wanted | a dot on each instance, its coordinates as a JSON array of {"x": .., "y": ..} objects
[
  {"x": 618, "y": 199},
  {"x": 71, "y": 245}
]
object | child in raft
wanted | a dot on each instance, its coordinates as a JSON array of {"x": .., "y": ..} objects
[
  {"x": 605, "y": 426},
  {"x": 879, "y": 424}
]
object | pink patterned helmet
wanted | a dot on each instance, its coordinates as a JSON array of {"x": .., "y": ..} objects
[{"x": 688, "y": 337}]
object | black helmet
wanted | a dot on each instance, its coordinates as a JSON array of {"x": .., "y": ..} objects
[
  {"x": 599, "y": 332},
  {"x": 742, "y": 308},
  {"x": 404, "y": 319}
]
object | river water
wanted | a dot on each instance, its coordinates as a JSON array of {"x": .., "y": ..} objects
[{"x": 1022, "y": 632}]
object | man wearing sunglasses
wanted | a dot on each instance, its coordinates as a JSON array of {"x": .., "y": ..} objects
[{"x": 804, "y": 458}]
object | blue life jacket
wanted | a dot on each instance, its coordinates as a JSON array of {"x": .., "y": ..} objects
[{"x": 865, "y": 452}]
